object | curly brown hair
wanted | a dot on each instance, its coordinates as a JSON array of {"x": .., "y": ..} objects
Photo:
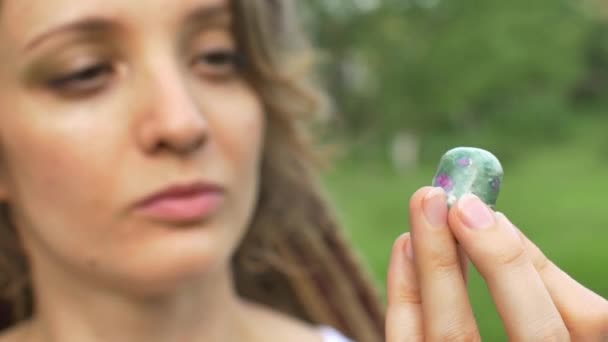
[{"x": 294, "y": 258}]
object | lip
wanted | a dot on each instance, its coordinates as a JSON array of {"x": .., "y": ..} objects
[{"x": 182, "y": 203}]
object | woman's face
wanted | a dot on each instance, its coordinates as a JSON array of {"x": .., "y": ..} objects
[{"x": 105, "y": 102}]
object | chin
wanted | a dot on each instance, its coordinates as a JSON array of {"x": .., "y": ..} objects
[{"x": 163, "y": 264}]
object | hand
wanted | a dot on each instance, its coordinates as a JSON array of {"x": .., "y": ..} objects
[{"x": 427, "y": 296}]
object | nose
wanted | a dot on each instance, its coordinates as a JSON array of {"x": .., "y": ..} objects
[{"x": 173, "y": 119}]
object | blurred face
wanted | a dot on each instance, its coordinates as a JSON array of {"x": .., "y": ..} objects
[{"x": 104, "y": 103}]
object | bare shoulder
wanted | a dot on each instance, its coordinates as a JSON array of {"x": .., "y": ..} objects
[{"x": 283, "y": 327}]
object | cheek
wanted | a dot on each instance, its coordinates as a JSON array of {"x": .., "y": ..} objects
[
  {"x": 54, "y": 165},
  {"x": 238, "y": 130}
]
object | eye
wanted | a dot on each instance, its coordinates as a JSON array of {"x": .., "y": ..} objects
[
  {"x": 221, "y": 58},
  {"x": 218, "y": 63},
  {"x": 84, "y": 80}
]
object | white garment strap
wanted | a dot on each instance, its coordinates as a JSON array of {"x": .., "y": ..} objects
[{"x": 330, "y": 334}]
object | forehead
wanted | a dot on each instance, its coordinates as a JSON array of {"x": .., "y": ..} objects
[{"x": 22, "y": 19}]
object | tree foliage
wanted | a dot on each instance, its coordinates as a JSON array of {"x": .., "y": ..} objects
[{"x": 442, "y": 67}]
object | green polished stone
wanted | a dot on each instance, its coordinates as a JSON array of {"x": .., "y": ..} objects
[{"x": 469, "y": 170}]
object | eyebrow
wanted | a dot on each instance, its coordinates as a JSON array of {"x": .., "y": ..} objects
[
  {"x": 203, "y": 17},
  {"x": 97, "y": 24},
  {"x": 206, "y": 13},
  {"x": 85, "y": 25}
]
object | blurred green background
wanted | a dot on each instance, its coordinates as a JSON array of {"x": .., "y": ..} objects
[{"x": 524, "y": 79}]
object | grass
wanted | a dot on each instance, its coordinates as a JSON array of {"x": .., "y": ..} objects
[{"x": 556, "y": 195}]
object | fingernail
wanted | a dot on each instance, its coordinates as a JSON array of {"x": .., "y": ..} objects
[
  {"x": 435, "y": 208},
  {"x": 409, "y": 249},
  {"x": 474, "y": 213}
]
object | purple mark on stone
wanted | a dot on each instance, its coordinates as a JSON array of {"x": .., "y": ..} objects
[
  {"x": 495, "y": 183},
  {"x": 464, "y": 161},
  {"x": 444, "y": 181}
]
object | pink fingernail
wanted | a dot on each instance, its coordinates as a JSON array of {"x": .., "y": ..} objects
[
  {"x": 474, "y": 213},
  {"x": 435, "y": 207}
]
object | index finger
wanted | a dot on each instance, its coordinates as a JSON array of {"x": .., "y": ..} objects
[
  {"x": 584, "y": 311},
  {"x": 523, "y": 303}
]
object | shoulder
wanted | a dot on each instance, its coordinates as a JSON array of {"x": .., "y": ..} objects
[
  {"x": 332, "y": 335},
  {"x": 283, "y": 327}
]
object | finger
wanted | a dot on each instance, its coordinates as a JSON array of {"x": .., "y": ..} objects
[
  {"x": 447, "y": 313},
  {"x": 523, "y": 303},
  {"x": 584, "y": 312},
  {"x": 464, "y": 263},
  {"x": 404, "y": 316}
]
